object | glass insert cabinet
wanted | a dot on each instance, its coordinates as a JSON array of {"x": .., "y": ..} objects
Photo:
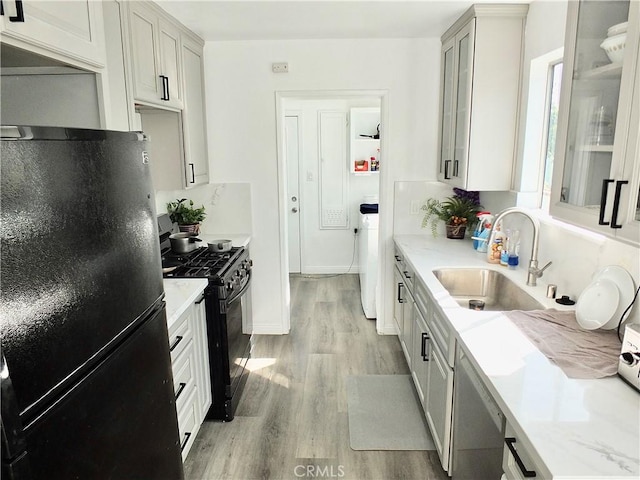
[{"x": 596, "y": 180}]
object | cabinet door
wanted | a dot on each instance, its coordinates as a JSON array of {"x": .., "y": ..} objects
[
  {"x": 439, "y": 403},
  {"x": 202, "y": 359},
  {"x": 194, "y": 120},
  {"x": 463, "y": 77},
  {"x": 421, "y": 353},
  {"x": 73, "y": 29},
  {"x": 397, "y": 304},
  {"x": 447, "y": 95},
  {"x": 169, "y": 50},
  {"x": 143, "y": 28},
  {"x": 408, "y": 315},
  {"x": 594, "y": 118}
]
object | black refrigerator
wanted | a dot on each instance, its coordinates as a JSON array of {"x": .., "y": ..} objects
[{"x": 87, "y": 389}]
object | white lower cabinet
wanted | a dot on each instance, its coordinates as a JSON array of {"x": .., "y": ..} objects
[
  {"x": 439, "y": 404},
  {"x": 431, "y": 359},
  {"x": 421, "y": 354},
  {"x": 190, "y": 366}
]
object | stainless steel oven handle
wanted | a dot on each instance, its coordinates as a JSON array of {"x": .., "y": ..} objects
[{"x": 244, "y": 289}]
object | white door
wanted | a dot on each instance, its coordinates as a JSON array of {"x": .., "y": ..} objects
[{"x": 292, "y": 149}]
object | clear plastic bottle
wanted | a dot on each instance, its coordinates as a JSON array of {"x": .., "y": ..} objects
[{"x": 495, "y": 246}]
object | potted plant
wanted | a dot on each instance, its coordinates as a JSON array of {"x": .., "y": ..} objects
[
  {"x": 458, "y": 212},
  {"x": 186, "y": 215}
]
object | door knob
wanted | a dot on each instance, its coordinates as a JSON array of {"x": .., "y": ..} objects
[{"x": 294, "y": 210}]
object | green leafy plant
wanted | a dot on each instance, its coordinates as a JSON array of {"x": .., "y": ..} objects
[
  {"x": 183, "y": 212},
  {"x": 455, "y": 210}
]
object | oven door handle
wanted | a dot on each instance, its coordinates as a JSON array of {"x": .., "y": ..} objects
[{"x": 244, "y": 289}]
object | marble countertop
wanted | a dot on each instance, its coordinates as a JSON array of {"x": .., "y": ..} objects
[
  {"x": 179, "y": 293},
  {"x": 576, "y": 428}
]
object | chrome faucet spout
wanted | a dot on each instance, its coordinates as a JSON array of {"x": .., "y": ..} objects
[{"x": 533, "y": 272}]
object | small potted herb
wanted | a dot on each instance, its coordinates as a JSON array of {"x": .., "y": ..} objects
[
  {"x": 458, "y": 212},
  {"x": 186, "y": 215}
]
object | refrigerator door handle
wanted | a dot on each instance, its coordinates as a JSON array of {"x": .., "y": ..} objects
[{"x": 13, "y": 438}]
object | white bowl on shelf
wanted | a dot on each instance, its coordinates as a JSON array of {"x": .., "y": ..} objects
[
  {"x": 614, "y": 47},
  {"x": 617, "y": 29}
]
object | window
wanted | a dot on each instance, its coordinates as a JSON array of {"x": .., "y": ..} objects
[
  {"x": 539, "y": 135},
  {"x": 553, "y": 96}
]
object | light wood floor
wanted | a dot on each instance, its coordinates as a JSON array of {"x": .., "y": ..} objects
[{"x": 294, "y": 409}]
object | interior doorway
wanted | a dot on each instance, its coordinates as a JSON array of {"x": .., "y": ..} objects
[{"x": 308, "y": 226}]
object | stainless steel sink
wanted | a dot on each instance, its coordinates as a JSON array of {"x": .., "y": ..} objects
[{"x": 493, "y": 288}]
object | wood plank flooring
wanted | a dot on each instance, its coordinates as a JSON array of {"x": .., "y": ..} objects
[{"x": 292, "y": 419}]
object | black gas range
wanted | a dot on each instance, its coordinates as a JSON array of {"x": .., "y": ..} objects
[{"x": 227, "y": 303}]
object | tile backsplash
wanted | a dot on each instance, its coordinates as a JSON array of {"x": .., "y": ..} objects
[{"x": 227, "y": 205}]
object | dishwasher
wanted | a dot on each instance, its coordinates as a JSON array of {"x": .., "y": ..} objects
[{"x": 478, "y": 427}]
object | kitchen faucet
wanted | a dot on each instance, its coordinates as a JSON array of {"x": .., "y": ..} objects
[{"x": 534, "y": 272}]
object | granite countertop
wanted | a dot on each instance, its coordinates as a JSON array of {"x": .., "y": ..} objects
[{"x": 576, "y": 428}]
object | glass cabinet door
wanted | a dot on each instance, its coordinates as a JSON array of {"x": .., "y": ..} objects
[
  {"x": 463, "y": 100},
  {"x": 587, "y": 173},
  {"x": 446, "y": 144}
]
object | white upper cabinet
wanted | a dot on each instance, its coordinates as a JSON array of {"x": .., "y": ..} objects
[
  {"x": 155, "y": 57},
  {"x": 479, "y": 94},
  {"x": 70, "y": 31},
  {"x": 596, "y": 178},
  {"x": 194, "y": 122}
]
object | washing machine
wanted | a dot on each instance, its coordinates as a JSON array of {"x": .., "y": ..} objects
[{"x": 368, "y": 258}]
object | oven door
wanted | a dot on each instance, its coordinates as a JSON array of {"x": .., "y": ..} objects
[{"x": 239, "y": 343}]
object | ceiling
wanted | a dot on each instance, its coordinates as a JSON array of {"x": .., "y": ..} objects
[{"x": 216, "y": 20}]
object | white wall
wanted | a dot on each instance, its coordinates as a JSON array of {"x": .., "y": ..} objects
[{"x": 241, "y": 122}]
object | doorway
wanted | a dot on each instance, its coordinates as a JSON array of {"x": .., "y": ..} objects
[{"x": 312, "y": 226}]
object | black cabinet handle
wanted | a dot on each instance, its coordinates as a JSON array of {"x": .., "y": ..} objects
[
  {"x": 19, "y": 13},
  {"x": 603, "y": 200},
  {"x": 166, "y": 79},
  {"x": 193, "y": 173},
  {"x": 1, "y": 8},
  {"x": 165, "y": 93},
  {"x": 616, "y": 204},
  {"x": 399, "y": 297},
  {"x": 406, "y": 274},
  {"x": 423, "y": 351},
  {"x": 398, "y": 259},
  {"x": 180, "y": 389},
  {"x": 510, "y": 441},
  {"x": 175, "y": 344},
  {"x": 455, "y": 168},
  {"x": 446, "y": 169},
  {"x": 186, "y": 439}
]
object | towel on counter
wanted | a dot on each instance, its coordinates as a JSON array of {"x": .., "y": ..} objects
[{"x": 579, "y": 353}]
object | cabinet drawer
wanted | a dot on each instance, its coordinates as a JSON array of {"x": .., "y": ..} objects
[
  {"x": 184, "y": 375},
  {"x": 180, "y": 334},
  {"x": 442, "y": 335},
  {"x": 188, "y": 425},
  {"x": 422, "y": 298}
]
